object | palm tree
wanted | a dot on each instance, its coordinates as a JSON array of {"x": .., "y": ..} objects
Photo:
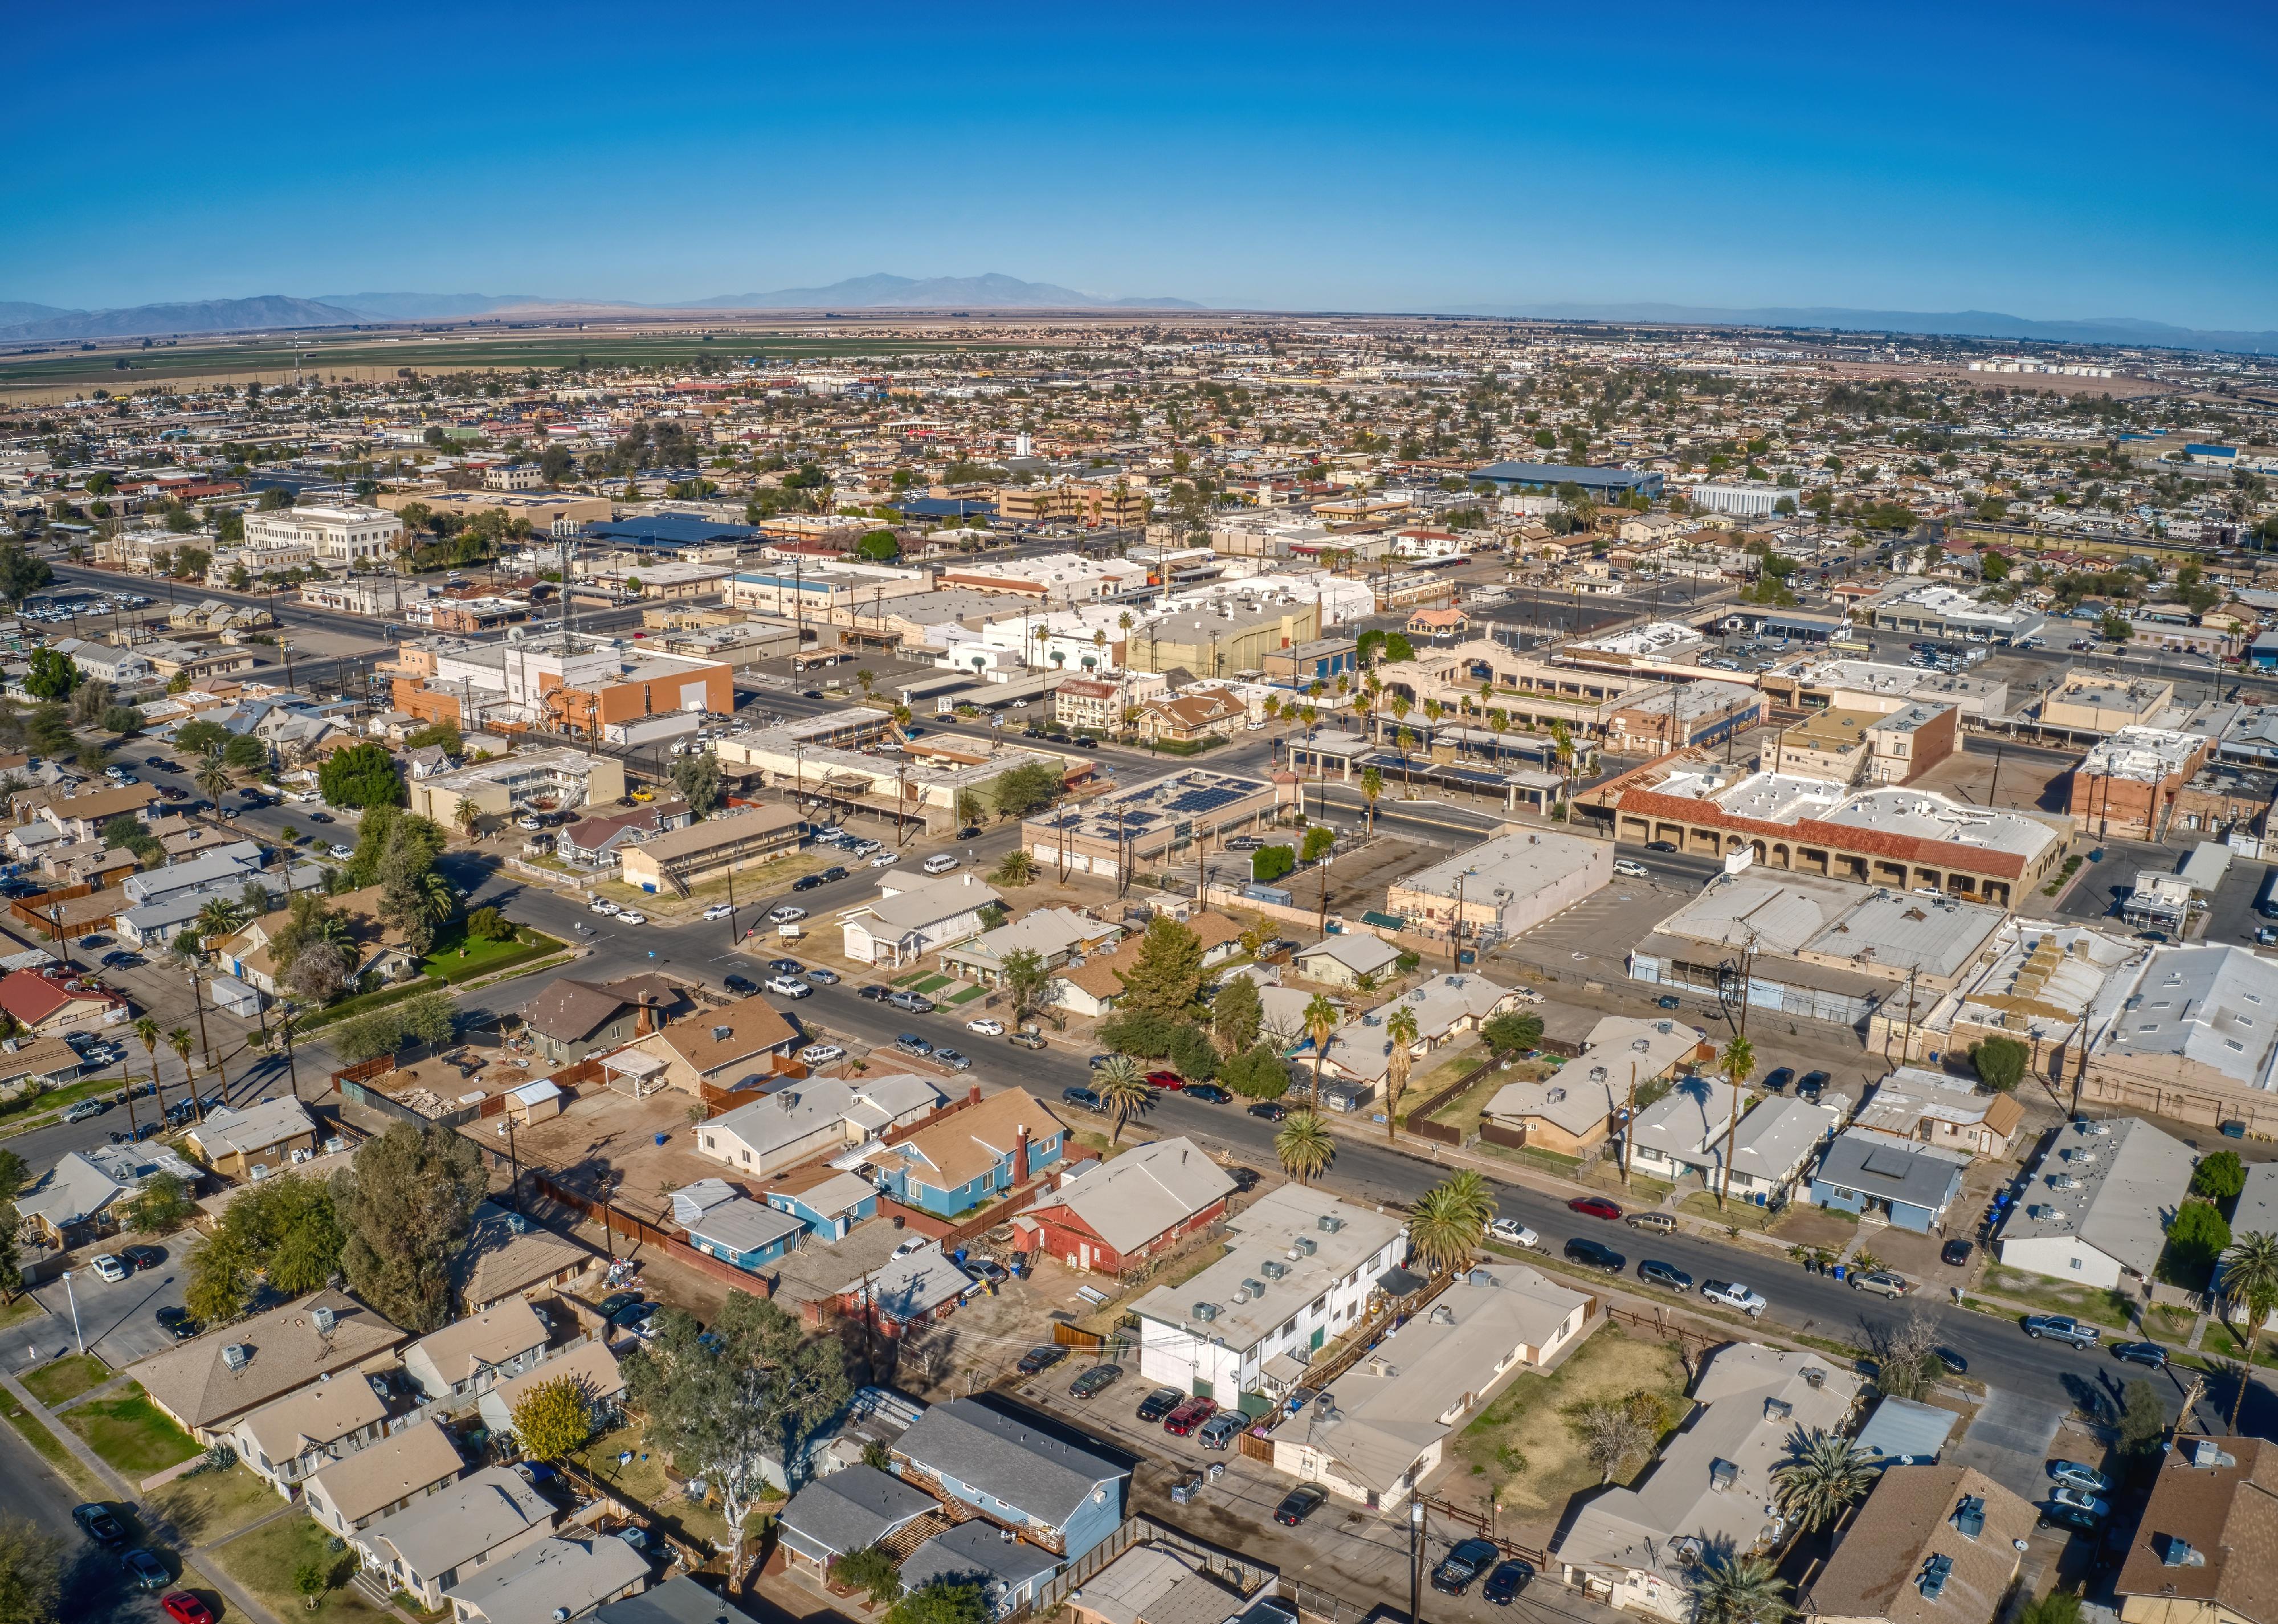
[
  {"x": 1739, "y": 1589},
  {"x": 1122, "y": 1088},
  {"x": 2249, "y": 1277},
  {"x": 468, "y": 817},
  {"x": 1736, "y": 1063},
  {"x": 147, "y": 1030},
  {"x": 220, "y": 917},
  {"x": 1372, "y": 787},
  {"x": 180, "y": 1041},
  {"x": 1304, "y": 1146},
  {"x": 1445, "y": 1225},
  {"x": 213, "y": 779},
  {"x": 1402, "y": 1029},
  {"x": 1827, "y": 1474},
  {"x": 1320, "y": 1018}
]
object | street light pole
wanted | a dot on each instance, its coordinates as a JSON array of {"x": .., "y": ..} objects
[{"x": 78, "y": 1335}]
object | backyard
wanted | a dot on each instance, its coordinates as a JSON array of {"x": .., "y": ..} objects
[
  {"x": 131, "y": 1433},
  {"x": 1525, "y": 1444},
  {"x": 640, "y": 1479}
]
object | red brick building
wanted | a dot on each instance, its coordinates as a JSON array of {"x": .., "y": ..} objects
[{"x": 1109, "y": 1217}]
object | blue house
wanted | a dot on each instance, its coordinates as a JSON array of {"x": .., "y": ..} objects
[
  {"x": 829, "y": 1204},
  {"x": 733, "y": 1227},
  {"x": 1867, "y": 1173},
  {"x": 1009, "y": 1470},
  {"x": 971, "y": 1157}
]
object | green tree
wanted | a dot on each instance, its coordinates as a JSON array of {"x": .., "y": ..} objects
[
  {"x": 1016, "y": 868},
  {"x": 1738, "y": 1590},
  {"x": 879, "y": 546},
  {"x": 361, "y": 776},
  {"x": 22, "y": 573},
  {"x": 244, "y": 754},
  {"x": 1027, "y": 979},
  {"x": 53, "y": 675},
  {"x": 162, "y": 1206},
  {"x": 1122, "y": 1088},
  {"x": 1372, "y": 787},
  {"x": 719, "y": 1408},
  {"x": 1825, "y": 1476},
  {"x": 1258, "y": 1072},
  {"x": 200, "y": 737},
  {"x": 2250, "y": 1282},
  {"x": 1511, "y": 1033},
  {"x": 1167, "y": 973},
  {"x": 2142, "y": 1421},
  {"x": 697, "y": 777},
  {"x": 1318, "y": 841},
  {"x": 407, "y": 1204},
  {"x": 871, "y": 1570},
  {"x": 212, "y": 778},
  {"x": 487, "y": 924},
  {"x": 946, "y": 1599},
  {"x": 2001, "y": 1062},
  {"x": 554, "y": 1418},
  {"x": 1022, "y": 792},
  {"x": 282, "y": 1230},
  {"x": 1269, "y": 863},
  {"x": 1303, "y": 1146},
  {"x": 1237, "y": 1014},
  {"x": 121, "y": 718},
  {"x": 1449, "y": 1221},
  {"x": 1399, "y": 1031},
  {"x": 2197, "y": 1238},
  {"x": 2219, "y": 1177},
  {"x": 1738, "y": 1062},
  {"x": 2115, "y": 628},
  {"x": 31, "y": 1573}
]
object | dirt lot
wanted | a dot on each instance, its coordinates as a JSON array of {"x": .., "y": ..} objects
[{"x": 607, "y": 1140}]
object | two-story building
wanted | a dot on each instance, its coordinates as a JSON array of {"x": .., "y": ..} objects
[
  {"x": 470, "y": 1354},
  {"x": 286, "y": 1439},
  {"x": 1046, "y": 1493},
  {"x": 385, "y": 1476},
  {"x": 423, "y": 1549}
]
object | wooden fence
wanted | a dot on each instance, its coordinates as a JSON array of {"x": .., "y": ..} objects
[
  {"x": 638, "y": 1232},
  {"x": 1440, "y": 1133}
]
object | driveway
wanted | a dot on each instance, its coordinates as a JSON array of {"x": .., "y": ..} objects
[
  {"x": 2009, "y": 1441},
  {"x": 114, "y": 1317}
]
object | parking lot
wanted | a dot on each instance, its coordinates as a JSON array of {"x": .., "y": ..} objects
[{"x": 115, "y": 1318}]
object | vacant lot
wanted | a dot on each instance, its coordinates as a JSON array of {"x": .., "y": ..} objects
[{"x": 1526, "y": 1441}]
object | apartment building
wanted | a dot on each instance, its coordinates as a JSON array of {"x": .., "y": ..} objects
[
  {"x": 2128, "y": 785},
  {"x": 338, "y": 538},
  {"x": 1076, "y": 500},
  {"x": 1224, "y": 640},
  {"x": 561, "y": 778},
  {"x": 673, "y": 861}
]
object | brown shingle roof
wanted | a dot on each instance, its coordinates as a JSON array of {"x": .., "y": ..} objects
[
  {"x": 2227, "y": 1514},
  {"x": 714, "y": 1038},
  {"x": 194, "y": 1383},
  {"x": 1908, "y": 1520}
]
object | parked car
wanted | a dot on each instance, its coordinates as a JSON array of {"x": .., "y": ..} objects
[
  {"x": 1027, "y": 1040},
  {"x": 820, "y": 1055},
  {"x": 785, "y": 914},
  {"x": 2056, "y": 1516},
  {"x": 836, "y": 871},
  {"x": 601, "y": 905},
  {"x": 2063, "y": 1328},
  {"x": 2149, "y": 1354},
  {"x": 822, "y": 977},
  {"x": 1778, "y": 1077},
  {"x": 1220, "y": 1429},
  {"x": 1466, "y": 1562},
  {"x": 142, "y": 1257},
  {"x": 1509, "y": 1577},
  {"x": 1594, "y": 1206},
  {"x": 1733, "y": 1294},
  {"x": 910, "y": 1042},
  {"x": 952, "y": 1059},
  {"x": 986, "y": 1025},
  {"x": 743, "y": 985},
  {"x": 2073, "y": 1474},
  {"x": 1170, "y": 1080},
  {"x": 1182, "y": 1422},
  {"x": 807, "y": 882},
  {"x": 909, "y": 1002},
  {"x": 177, "y": 1323},
  {"x": 616, "y": 1300},
  {"x": 1669, "y": 1000},
  {"x": 789, "y": 986},
  {"x": 1037, "y": 1360},
  {"x": 107, "y": 1266},
  {"x": 85, "y": 1108},
  {"x": 1882, "y": 1283},
  {"x": 2080, "y": 1502},
  {"x": 1658, "y": 1223},
  {"x": 1668, "y": 1275},
  {"x": 1272, "y": 1110},
  {"x": 1095, "y": 1381},
  {"x": 1630, "y": 867},
  {"x": 144, "y": 1571},
  {"x": 1589, "y": 1254},
  {"x": 1510, "y": 1232},
  {"x": 100, "y": 1524},
  {"x": 185, "y": 1608},
  {"x": 1160, "y": 1403},
  {"x": 877, "y": 994},
  {"x": 718, "y": 910},
  {"x": 1299, "y": 1503},
  {"x": 1661, "y": 846},
  {"x": 1814, "y": 1084},
  {"x": 1954, "y": 1254},
  {"x": 1209, "y": 1093}
]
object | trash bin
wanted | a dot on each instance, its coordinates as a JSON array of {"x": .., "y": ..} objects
[
  {"x": 1217, "y": 1470},
  {"x": 1838, "y": 1271},
  {"x": 661, "y": 1137}
]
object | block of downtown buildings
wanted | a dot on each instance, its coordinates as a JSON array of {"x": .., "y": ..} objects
[
  {"x": 583, "y": 684},
  {"x": 824, "y": 761},
  {"x": 1145, "y": 825},
  {"x": 1907, "y": 838},
  {"x": 1300, "y": 1268}
]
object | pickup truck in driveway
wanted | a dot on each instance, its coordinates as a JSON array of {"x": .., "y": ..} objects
[
  {"x": 1733, "y": 1294},
  {"x": 2061, "y": 1328}
]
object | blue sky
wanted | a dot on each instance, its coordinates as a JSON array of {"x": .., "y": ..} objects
[{"x": 2060, "y": 160}]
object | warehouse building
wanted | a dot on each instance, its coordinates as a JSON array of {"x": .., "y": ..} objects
[{"x": 1600, "y": 485}]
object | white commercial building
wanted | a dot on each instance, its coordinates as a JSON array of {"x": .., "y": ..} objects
[
  {"x": 1744, "y": 500},
  {"x": 2097, "y": 1209},
  {"x": 338, "y": 538}
]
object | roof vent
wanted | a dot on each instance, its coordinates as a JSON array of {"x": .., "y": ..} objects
[
  {"x": 2205, "y": 1452},
  {"x": 322, "y": 1319},
  {"x": 2180, "y": 1553},
  {"x": 1778, "y": 1409},
  {"x": 236, "y": 1355},
  {"x": 1722, "y": 1474},
  {"x": 1814, "y": 1375},
  {"x": 1969, "y": 1516}
]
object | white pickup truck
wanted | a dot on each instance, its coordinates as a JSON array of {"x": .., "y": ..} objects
[{"x": 1733, "y": 1294}]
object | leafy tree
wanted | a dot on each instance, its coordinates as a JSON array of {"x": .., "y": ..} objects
[
  {"x": 756, "y": 1391},
  {"x": 487, "y": 924},
  {"x": 162, "y": 1206},
  {"x": 283, "y": 1230},
  {"x": 2143, "y": 1423},
  {"x": 554, "y": 1418},
  {"x": 879, "y": 546},
  {"x": 2218, "y": 1176},
  {"x": 362, "y": 775},
  {"x": 1027, "y": 979},
  {"x": 1258, "y": 1072},
  {"x": 1269, "y": 863},
  {"x": 946, "y": 1599},
  {"x": 1022, "y": 792},
  {"x": 697, "y": 777},
  {"x": 1511, "y": 1033},
  {"x": 407, "y": 1204},
  {"x": 244, "y": 754},
  {"x": 312, "y": 1578},
  {"x": 21, "y": 572},
  {"x": 1448, "y": 1222},
  {"x": 1236, "y": 1015},
  {"x": 121, "y": 718},
  {"x": 53, "y": 675},
  {"x": 1167, "y": 973},
  {"x": 1824, "y": 1477},
  {"x": 2197, "y": 1237},
  {"x": 311, "y": 949},
  {"x": 2001, "y": 1062},
  {"x": 2115, "y": 628},
  {"x": 31, "y": 1573},
  {"x": 871, "y": 1570},
  {"x": 1318, "y": 840},
  {"x": 202, "y": 737},
  {"x": 444, "y": 734},
  {"x": 1303, "y": 1146},
  {"x": 425, "y": 1019}
]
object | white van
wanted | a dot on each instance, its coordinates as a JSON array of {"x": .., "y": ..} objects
[{"x": 940, "y": 863}]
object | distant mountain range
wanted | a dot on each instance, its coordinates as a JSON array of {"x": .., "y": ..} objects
[
  {"x": 2121, "y": 330},
  {"x": 143, "y": 320},
  {"x": 992, "y": 292}
]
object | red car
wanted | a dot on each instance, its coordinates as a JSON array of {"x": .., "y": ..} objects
[
  {"x": 1166, "y": 1079},
  {"x": 185, "y": 1608},
  {"x": 1189, "y": 1415},
  {"x": 1594, "y": 1206}
]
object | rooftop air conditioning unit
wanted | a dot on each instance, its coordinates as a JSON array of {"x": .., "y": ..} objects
[
  {"x": 1814, "y": 1376},
  {"x": 1305, "y": 1245},
  {"x": 1778, "y": 1409},
  {"x": 1274, "y": 1268},
  {"x": 1441, "y": 1315},
  {"x": 2180, "y": 1553},
  {"x": 1969, "y": 1516},
  {"x": 1255, "y": 1288},
  {"x": 324, "y": 1319},
  {"x": 1331, "y": 1224},
  {"x": 1478, "y": 1278},
  {"x": 1205, "y": 1312},
  {"x": 517, "y": 1224},
  {"x": 236, "y": 1355}
]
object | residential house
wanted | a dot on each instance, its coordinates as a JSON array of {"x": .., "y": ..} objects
[
  {"x": 724, "y": 1223},
  {"x": 594, "y": 842},
  {"x": 678, "y": 1600},
  {"x": 81, "y": 817},
  {"x": 470, "y": 1354},
  {"x": 1687, "y": 1133},
  {"x": 1009, "y": 1570},
  {"x": 49, "y": 1003},
  {"x": 1095, "y": 987},
  {"x": 2096, "y": 1210},
  {"x": 808, "y": 1118},
  {"x": 589, "y": 1365},
  {"x": 306, "y": 1430},
  {"x": 507, "y": 1256},
  {"x": 425, "y": 1549},
  {"x": 552, "y": 1580},
  {"x": 913, "y": 915},
  {"x": 1635, "y": 1549},
  {"x": 827, "y": 1201},
  {"x": 376, "y": 953},
  {"x": 1115, "y": 1215},
  {"x": 569, "y": 1019},
  {"x": 969, "y": 1157},
  {"x": 78, "y": 1199},
  {"x": 1577, "y": 1107},
  {"x": 1004, "y": 1467},
  {"x": 905, "y": 1290},
  {"x": 2201, "y": 1551},
  {"x": 357, "y": 1490},
  {"x": 1913, "y": 1105},
  {"x": 1445, "y": 1007},
  {"x": 1387, "y": 1429},
  {"x": 1057, "y": 936},
  {"x": 43, "y": 1064},
  {"x": 1909, "y": 1186},
  {"x": 719, "y": 1048},
  {"x": 1199, "y": 713},
  {"x": 1350, "y": 959},
  {"x": 852, "y": 1510},
  {"x": 271, "y": 1134},
  {"x": 205, "y": 1385},
  {"x": 1301, "y": 1267},
  {"x": 1932, "y": 1544}
]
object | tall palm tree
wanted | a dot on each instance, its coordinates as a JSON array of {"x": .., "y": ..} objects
[
  {"x": 1372, "y": 787},
  {"x": 1827, "y": 1474},
  {"x": 181, "y": 1042},
  {"x": 1122, "y": 1088},
  {"x": 147, "y": 1031},
  {"x": 2250, "y": 1279},
  {"x": 1448, "y": 1221},
  {"x": 1320, "y": 1018},
  {"x": 1739, "y": 1589},
  {"x": 220, "y": 917},
  {"x": 212, "y": 779},
  {"x": 1736, "y": 1063},
  {"x": 1402, "y": 1029},
  {"x": 468, "y": 817},
  {"x": 1304, "y": 1146}
]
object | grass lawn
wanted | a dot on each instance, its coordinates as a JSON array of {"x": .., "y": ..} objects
[
  {"x": 932, "y": 983},
  {"x": 911, "y": 979},
  {"x": 1527, "y": 1435},
  {"x": 25, "y": 1307},
  {"x": 1098, "y": 1143},
  {"x": 1605, "y": 1173},
  {"x": 2172, "y": 1323},
  {"x": 642, "y": 1480},
  {"x": 2222, "y": 1341},
  {"x": 16, "y": 1114},
  {"x": 265, "y": 1561},
  {"x": 131, "y": 1433},
  {"x": 2106, "y": 1309},
  {"x": 51, "y": 1449},
  {"x": 214, "y": 1504},
  {"x": 1464, "y": 1110},
  {"x": 967, "y": 996},
  {"x": 67, "y": 1378},
  {"x": 463, "y": 961}
]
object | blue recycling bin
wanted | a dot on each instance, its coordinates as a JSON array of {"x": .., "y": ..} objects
[{"x": 1838, "y": 1271}]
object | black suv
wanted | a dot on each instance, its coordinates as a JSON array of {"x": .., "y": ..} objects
[
  {"x": 1160, "y": 1403},
  {"x": 740, "y": 983},
  {"x": 1466, "y": 1562},
  {"x": 1590, "y": 1254}
]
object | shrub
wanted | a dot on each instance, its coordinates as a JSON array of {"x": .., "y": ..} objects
[
  {"x": 487, "y": 924},
  {"x": 1269, "y": 863}
]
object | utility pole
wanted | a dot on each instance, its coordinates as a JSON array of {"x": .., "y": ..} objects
[
  {"x": 1456, "y": 925},
  {"x": 205, "y": 1045},
  {"x": 1416, "y": 1557},
  {"x": 1629, "y": 1124}
]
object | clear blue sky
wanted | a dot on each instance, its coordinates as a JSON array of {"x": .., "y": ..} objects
[{"x": 2056, "y": 160}]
